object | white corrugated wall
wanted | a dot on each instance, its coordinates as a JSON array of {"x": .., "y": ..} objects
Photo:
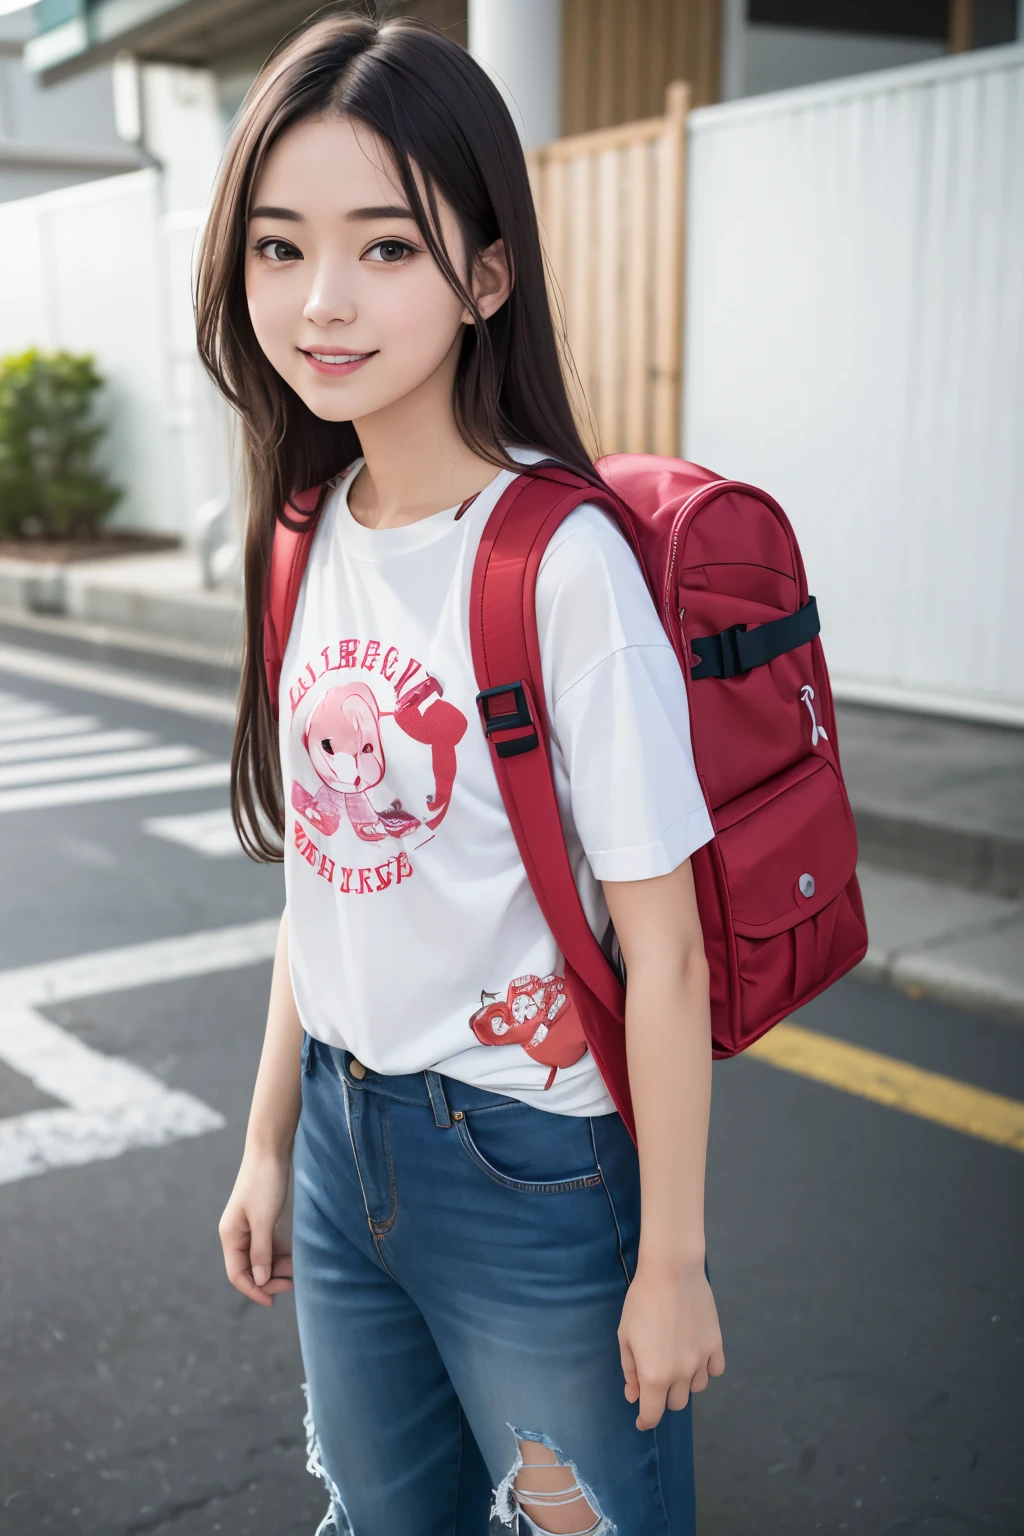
[{"x": 855, "y": 343}]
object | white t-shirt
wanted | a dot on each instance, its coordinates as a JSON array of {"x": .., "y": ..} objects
[{"x": 415, "y": 938}]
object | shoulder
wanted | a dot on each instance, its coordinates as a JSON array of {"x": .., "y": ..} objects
[
  {"x": 590, "y": 558},
  {"x": 592, "y": 600},
  {"x": 589, "y": 545}
]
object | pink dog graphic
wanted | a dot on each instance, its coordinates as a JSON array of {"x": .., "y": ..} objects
[{"x": 343, "y": 740}]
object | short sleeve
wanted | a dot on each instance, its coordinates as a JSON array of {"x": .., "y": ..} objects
[{"x": 617, "y": 705}]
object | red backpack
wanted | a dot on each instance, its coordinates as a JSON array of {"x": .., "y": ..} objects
[{"x": 777, "y": 891}]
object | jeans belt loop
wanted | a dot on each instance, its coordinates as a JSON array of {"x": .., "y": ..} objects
[{"x": 438, "y": 1101}]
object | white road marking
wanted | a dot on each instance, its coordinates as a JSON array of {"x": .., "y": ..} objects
[
  {"x": 59, "y": 746},
  {"x": 54, "y": 769},
  {"x": 79, "y": 674},
  {"x": 113, "y": 1105},
  {"x": 38, "y": 796},
  {"x": 23, "y": 709},
  {"x": 140, "y": 965},
  {"x": 211, "y": 833},
  {"x": 43, "y": 729}
]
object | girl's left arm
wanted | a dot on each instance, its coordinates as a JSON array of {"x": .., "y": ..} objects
[{"x": 669, "y": 1336}]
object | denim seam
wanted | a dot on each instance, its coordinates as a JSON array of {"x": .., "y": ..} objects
[
  {"x": 657, "y": 1463},
  {"x": 611, "y": 1203},
  {"x": 525, "y": 1186},
  {"x": 359, "y": 1173},
  {"x": 382, "y": 1228},
  {"x": 493, "y": 1109},
  {"x": 458, "y": 1469}
]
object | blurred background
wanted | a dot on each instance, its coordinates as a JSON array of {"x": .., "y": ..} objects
[{"x": 786, "y": 239}]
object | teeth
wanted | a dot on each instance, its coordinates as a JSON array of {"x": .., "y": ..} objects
[{"x": 348, "y": 357}]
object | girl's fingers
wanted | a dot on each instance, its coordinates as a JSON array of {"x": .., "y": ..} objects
[
  {"x": 261, "y": 1254},
  {"x": 678, "y": 1397},
  {"x": 236, "y": 1262},
  {"x": 716, "y": 1362},
  {"x": 629, "y": 1371},
  {"x": 250, "y": 1263},
  {"x": 699, "y": 1381},
  {"x": 652, "y": 1405}
]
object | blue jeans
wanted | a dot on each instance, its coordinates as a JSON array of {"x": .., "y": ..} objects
[{"x": 461, "y": 1260}]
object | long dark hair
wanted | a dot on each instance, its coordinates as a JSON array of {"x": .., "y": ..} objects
[{"x": 435, "y": 108}]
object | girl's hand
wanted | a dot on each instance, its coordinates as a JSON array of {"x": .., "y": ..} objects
[
  {"x": 256, "y": 1242},
  {"x": 669, "y": 1339}
]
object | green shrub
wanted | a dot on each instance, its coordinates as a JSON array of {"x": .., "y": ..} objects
[{"x": 49, "y": 486}]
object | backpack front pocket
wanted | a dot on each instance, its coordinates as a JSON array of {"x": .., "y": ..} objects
[{"x": 786, "y": 855}]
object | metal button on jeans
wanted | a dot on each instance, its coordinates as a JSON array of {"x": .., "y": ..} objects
[{"x": 357, "y": 1069}]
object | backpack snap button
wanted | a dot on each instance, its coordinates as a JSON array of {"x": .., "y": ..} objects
[
  {"x": 806, "y": 885},
  {"x": 356, "y": 1069}
]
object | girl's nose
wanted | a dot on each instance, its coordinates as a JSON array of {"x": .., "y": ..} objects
[{"x": 329, "y": 299}]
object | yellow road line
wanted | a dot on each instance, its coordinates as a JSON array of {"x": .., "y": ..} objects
[{"x": 896, "y": 1084}]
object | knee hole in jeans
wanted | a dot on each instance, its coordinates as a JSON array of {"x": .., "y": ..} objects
[{"x": 545, "y": 1488}]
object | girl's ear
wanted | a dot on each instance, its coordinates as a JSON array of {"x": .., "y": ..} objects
[{"x": 492, "y": 281}]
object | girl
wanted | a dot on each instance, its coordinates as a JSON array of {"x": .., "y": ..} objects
[{"x": 486, "y": 1322}]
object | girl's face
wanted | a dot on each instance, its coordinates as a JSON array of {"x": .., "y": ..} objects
[{"x": 346, "y": 302}]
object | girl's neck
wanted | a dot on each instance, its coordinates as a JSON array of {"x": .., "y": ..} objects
[{"x": 416, "y": 464}]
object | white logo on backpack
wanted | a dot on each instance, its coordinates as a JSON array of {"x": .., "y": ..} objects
[{"x": 807, "y": 694}]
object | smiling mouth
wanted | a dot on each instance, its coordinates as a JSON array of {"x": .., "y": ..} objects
[{"x": 337, "y": 359}]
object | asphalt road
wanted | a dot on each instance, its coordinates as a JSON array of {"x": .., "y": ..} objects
[{"x": 867, "y": 1264}]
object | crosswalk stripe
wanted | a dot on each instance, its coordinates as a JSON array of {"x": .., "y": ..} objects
[
  {"x": 42, "y": 730},
  {"x": 211, "y": 833},
  {"x": 24, "y": 709},
  {"x": 897, "y": 1084},
  {"x": 128, "y": 786},
  {"x": 140, "y": 965},
  {"x": 55, "y": 770},
  {"x": 112, "y": 1105},
  {"x": 61, "y": 746}
]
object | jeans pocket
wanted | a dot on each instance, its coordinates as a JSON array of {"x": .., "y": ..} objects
[{"x": 530, "y": 1150}]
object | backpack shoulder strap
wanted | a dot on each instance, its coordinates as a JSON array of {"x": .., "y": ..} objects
[
  {"x": 288, "y": 557},
  {"x": 506, "y": 659}
]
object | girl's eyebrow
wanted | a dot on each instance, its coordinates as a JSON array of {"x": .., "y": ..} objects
[
  {"x": 385, "y": 211},
  {"x": 357, "y": 215},
  {"x": 276, "y": 213}
]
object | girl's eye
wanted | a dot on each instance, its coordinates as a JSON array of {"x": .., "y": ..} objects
[
  {"x": 278, "y": 250},
  {"x": 389, "y": 251}
]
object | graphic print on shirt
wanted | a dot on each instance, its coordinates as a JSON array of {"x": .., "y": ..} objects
[
  {"x": 343, "y": 741},
  {"x": 538, "y": 1014}
]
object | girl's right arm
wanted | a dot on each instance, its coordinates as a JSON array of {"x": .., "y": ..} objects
[{"x": 257, "y": 1254}]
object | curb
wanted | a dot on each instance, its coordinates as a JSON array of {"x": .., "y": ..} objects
[
  {"x": 911, "y": 843},
  {"x": 938, "y": 976},
  {"x": 130, "y": 650}
]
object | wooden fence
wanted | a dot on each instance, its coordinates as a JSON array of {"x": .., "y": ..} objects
[
  {"x": 618, "y": 57},
  {"x": 611, "y": 205}
]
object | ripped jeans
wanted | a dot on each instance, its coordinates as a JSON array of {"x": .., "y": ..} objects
[{"x": 461, "y": 1260}]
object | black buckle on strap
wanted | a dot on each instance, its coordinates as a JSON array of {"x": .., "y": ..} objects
[
  {"x": 518, "y": 720},
  {"x": 739, "y": 649}
]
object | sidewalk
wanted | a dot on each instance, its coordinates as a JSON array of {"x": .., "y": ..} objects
[
  {"x": 937, "y": 797},
  {"x": 939, "y": 803},
  {"x": 935, "y": 939},
  {"x": 147, "y": 613}
]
